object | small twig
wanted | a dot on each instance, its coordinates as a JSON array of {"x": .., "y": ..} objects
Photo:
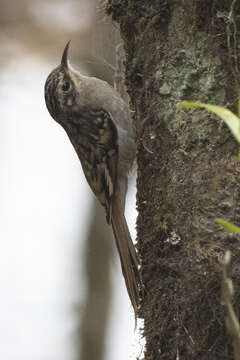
[
  {"x": 190, "y": 337},
  {"x": 102, "y": 60},
  {"x": 232, "y": 323}
]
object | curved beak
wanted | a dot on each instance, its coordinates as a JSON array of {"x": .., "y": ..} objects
[{"x": 64, "y": 61}]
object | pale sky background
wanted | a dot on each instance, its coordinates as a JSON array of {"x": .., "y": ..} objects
[{"x": 43, "y": 197}]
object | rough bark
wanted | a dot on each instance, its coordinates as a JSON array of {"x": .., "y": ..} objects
[{"x": 187, "y": 167}]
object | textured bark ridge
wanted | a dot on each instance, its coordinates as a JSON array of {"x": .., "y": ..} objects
[{"x": 187, "y": 167}]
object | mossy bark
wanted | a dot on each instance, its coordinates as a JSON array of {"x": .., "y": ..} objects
[{"x": 187, "y": 167}]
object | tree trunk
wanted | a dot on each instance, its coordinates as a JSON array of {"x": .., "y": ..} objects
[
  {"x": 187, "y": 167},
  {"x": 98, "y": 255}
]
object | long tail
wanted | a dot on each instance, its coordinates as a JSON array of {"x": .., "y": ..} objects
[{"x": 128, "y": 256}]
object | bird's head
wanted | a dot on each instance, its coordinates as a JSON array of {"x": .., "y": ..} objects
[{"x": 61, "y": 89}]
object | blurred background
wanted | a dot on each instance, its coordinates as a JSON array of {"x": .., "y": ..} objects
[{"x": 62, "y": 291}]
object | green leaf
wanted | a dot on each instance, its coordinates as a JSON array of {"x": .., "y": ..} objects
[
  {"x": 228, "y": 226},
  {"x": 230, "y": 119}
]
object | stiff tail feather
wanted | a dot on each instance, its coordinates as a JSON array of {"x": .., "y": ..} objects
[{"x": 128, "y": 256}]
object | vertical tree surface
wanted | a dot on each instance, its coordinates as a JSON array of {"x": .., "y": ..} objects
[{"x": 187, "y": 167}]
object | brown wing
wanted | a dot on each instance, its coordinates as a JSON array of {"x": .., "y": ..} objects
[{"x": 95, "y": 139}]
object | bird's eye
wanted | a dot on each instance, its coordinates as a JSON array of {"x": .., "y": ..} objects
[{"x": 66, "y": 85}]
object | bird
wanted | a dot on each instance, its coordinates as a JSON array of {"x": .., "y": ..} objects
[{"x": 99, "y": 125}]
